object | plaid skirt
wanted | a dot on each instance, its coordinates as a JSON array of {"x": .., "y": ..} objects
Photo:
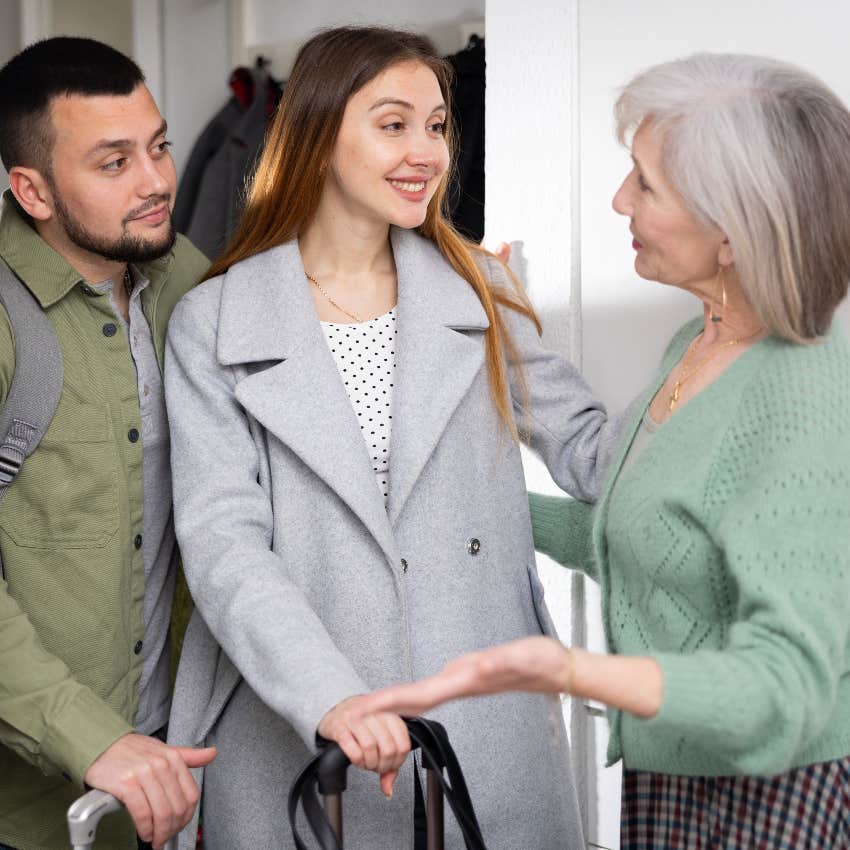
[{"x": 805, "y": 809}]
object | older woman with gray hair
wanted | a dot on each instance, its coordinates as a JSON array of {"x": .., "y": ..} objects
[{"x": 722, "y": 538}]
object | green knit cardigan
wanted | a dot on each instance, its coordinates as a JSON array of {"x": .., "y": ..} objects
[{"x": 724, "y": 554}]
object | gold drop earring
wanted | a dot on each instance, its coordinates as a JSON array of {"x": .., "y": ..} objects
[{"x": 714, "y": 316}]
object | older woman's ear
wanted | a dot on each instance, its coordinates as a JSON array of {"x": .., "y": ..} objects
[{"x": 725, "y": 257}]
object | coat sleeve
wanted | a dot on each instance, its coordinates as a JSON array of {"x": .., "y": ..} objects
[
  {"x": 557, "y": 413},
  {"x": 223, "y": 517},
  {"x": 46, "y": 716}
]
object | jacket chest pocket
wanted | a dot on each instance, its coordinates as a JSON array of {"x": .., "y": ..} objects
[{"x": 66, "y": 495}]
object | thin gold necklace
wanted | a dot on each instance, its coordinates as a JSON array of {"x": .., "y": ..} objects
[
  {"x": 686, "y": 373},
  {"x": 325, "y": 293}
]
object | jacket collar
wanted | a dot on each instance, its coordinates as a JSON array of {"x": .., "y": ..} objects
[
  {"x": 267, "y": 310},
  {"x": 44, "y": 270}
]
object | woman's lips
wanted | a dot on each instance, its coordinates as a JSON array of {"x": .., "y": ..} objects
[{"x": 636, "y": 245}]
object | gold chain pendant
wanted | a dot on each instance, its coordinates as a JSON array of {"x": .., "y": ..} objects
[{"x": 674, "y": 398}]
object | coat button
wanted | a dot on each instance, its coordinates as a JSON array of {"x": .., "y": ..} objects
[
  {"x": 138, "y": 647},
  {"x": 109, "y": 329},
  {"x": 473, "y": 545},
  {"x": 137, "y": 541},
  {"x": 403, "y": 565},
  {"x": 133, "y": 435}
]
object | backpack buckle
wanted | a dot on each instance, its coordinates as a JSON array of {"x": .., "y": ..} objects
[{"x": 11, "y": 459}]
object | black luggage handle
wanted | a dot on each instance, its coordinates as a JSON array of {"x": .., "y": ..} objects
[{"x": 329, "y": 770}]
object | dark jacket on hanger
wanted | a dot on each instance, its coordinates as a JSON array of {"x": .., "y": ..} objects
[
  {"x": 213, "y": 136},
  {"x": 466, "y": 191},
  {"x": 219, "y": 192}
]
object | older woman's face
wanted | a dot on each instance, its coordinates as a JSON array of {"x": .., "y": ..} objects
[{"x": 672, "y": 246}]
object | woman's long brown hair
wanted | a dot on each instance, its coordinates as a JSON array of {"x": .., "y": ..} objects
[{"x": 284, "y": 192}]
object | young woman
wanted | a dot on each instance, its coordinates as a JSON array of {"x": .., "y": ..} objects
[{"x": 345, "y": 396}]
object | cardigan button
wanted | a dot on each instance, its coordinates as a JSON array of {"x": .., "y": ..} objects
[
  {"x": 109, "y": 329},
  {"x": 473, "y": 545},
  {"x": 138, "y": 647}
]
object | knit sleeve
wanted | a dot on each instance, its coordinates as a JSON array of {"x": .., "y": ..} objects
[
  {"x": 780, "y": 490},
  {"x": 563, "y": 530}
]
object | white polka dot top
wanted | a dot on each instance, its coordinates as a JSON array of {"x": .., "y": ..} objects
[{"x": 365, "y": 356}]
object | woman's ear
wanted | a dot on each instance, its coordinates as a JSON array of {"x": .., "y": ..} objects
[{"x": 725, "y": 257}]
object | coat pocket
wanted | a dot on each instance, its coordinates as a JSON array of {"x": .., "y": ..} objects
[
  {"x": 544, "y": 619},
  {"x": 66, "y": 495}
]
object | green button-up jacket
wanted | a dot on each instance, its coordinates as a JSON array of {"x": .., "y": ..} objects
[{"x": 71, "y": 605}]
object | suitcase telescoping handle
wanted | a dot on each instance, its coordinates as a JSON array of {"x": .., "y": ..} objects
[
  {"x": 328, "y": 771},
  {"x": 332, "y": 772},
  {"x": 85, "y": 813}
]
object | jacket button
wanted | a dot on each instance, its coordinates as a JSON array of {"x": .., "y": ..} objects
[
  {"x": 137, "y": 541},
  {"x": 133, "y": 435},
  {"x": 109, "y": 329},
  {"x": 473, "y": 545},
  {"x": 403, "y": 565},
  {"x": 138, "y": 647}
]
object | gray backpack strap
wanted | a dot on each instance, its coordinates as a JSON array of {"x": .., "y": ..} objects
[{"x": 37, "y": 382}]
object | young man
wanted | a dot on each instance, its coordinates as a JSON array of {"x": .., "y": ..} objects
[{"x": 86, "y": 533}]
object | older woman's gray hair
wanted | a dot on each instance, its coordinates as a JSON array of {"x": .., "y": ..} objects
[{"x": 760, "y": 149}]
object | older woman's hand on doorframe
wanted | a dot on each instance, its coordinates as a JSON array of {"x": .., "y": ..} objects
[
  {"x": 503, "y": 252},
  {"x": 539, "y": 664}
]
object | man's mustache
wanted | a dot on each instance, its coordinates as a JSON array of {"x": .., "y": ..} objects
[{"x": 147, "y": 206}]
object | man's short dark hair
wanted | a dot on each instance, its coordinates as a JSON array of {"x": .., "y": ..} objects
[{"x": 48, "y": 69}]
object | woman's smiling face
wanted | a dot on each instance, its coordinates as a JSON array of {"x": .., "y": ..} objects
[{"x": 391, "y": 151}]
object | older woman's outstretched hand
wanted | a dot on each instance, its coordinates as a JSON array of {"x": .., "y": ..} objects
[{"x": 531, "y": 664}]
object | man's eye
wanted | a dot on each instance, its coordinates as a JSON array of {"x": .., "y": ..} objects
[
  {"x": 115, "y": 164},
  {"x": 162, "y": 147}
]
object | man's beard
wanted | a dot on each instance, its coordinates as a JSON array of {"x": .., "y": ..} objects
[{"x": 126, "y": 248}]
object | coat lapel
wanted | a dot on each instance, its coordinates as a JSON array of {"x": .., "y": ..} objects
[
  {"x": 268, "y": 317},
  {"x": 436, "y": 359}
]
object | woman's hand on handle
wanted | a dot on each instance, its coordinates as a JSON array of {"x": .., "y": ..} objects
[{"x": 373, "y": 740}]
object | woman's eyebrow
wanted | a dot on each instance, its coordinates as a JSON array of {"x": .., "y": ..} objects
[{"x": 394, "y": 101}]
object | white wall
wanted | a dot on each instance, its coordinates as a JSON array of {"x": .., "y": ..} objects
[
  {"x": 86, "y": 18},
  {"x": 278, "y": 29},
  {"x": 10, "y": 44},
  {"x": 196, "y": 67}
]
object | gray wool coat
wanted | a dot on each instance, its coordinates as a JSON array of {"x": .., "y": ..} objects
[{"x": 309, "y": 590}]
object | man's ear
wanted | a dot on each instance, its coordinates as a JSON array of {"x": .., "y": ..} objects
[
  {"x": 32, "y": 192},
  {"x": 725, "y": 256}
]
